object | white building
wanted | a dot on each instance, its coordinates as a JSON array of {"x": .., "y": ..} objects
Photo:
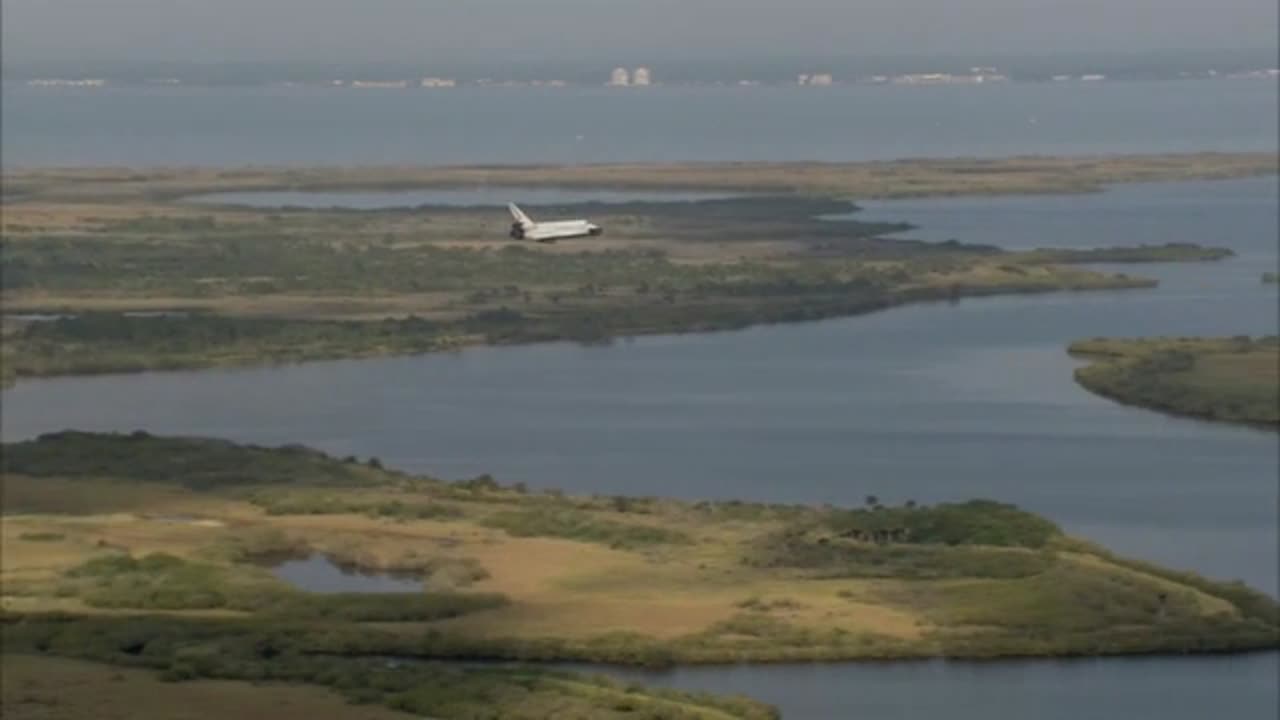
[
  {"x": 435, "y": 82},
  {"x": 384, "y": 84},
  {"x": 641, "y": 77},
  {"x": 620, "y": 77},
  {"x": 815, "y": 79},
  {"x": 62, "y": 82}
]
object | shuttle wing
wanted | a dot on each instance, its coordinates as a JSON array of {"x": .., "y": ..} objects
[{"x": 518, "y": 215}]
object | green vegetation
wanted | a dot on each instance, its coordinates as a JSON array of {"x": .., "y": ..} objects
[
  {"x": 326, "y": 503},
  {"x": 1169, "y": 252},
  {"x": 42, "y": 537},
  {"x": 552, "y": 577},
  {"x": 901, "y": 178},
  {"x": 577, "y": 525},
  {"x": 156, "y": 284},
  {"x": 165, "y": 582},
  {"x": 114, "y": 343},
  {"x": 194, "y": 463},
  {"x": 827, "y": 558},
  {"x": 52, "y": 688},
  {"x": 977, "y": 522},
  {"x": 285, "y": 652},
  {"x": 1271, "y": 278},
  {"x": 976, "y": 539},
  {"x": 1226, "y": 379}
]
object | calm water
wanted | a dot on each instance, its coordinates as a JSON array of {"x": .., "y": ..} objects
[
  {"x": 324, "y": 126},
  {"x": 318, "y": 574},
  {"x": 1239, "y": 688}
]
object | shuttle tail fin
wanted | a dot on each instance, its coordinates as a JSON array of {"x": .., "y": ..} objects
[{"x": 519, "y": 215}]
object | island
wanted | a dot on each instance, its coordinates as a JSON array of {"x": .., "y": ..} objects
[
  {"x": 125, "y": 271},
  {"x": 1234, "y": 379},
  {"x": 158, "y": 553}
]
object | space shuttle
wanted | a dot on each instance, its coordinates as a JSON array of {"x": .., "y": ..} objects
[{"x": 524, "y": 228}]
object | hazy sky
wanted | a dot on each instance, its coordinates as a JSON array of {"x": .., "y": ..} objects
[{"x": 372, "y": 30}]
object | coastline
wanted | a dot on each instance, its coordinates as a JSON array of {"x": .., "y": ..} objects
[
  {"x": 546, "y": 577},
  {"x": 1225, "y": 380}
]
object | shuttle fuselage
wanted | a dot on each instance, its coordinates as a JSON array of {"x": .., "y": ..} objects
[{"x": 525, "y": 228}]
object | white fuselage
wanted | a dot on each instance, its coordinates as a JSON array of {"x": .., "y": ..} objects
[{"x": 526, "y": 229}]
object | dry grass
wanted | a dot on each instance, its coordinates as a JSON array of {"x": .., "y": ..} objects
[
  {"x": 865, "y": 180},
  {"x": 42, "y": 688},
  {"x": 557, "y": 587}
]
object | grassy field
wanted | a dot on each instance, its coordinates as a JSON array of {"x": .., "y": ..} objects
[
  {"x": 149, "y": 282},
  {"x": 105, "y": 528},
  {"x": 1224, "y": 379},
  {"x": 901, "y": 178}
]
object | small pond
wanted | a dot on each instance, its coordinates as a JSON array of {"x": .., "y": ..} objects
[{"x": 319, "y": 574}]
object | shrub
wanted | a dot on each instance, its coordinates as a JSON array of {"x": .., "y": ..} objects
[{"x": 580, "y": 525}]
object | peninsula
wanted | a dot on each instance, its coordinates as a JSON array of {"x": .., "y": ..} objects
[
  {"x": 117, "y": 271},
  {"x": 102, "y": 528},
  {"x": 1233, "y": 380}
]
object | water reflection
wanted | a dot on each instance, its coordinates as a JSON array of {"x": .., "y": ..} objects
[
  {"x": 1239, "y": 687},
  {"x": 319, "y": 574}
]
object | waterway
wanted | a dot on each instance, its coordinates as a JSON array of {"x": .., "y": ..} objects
[
  {"x": 928, "y": 402},
  {"x": 236, "y": 126}
]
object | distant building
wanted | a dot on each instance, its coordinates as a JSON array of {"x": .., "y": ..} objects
[
  {"x": 924, "y": 79},
  {"x": 641, "y": 77},
  {"x": 394, "y": 84},
  {"x": 620, "y": 77},
  {"x": 1093, "y": 78},
  {"x": 814, "y": 79},
  {"x": 62, "y": 82},
  {"x": 1265, "y": 73},
  {"x": 948, "y": 78},
  {"x": 435, "y": 82}
]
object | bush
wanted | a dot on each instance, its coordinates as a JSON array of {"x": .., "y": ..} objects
[
  {"x": 977, "y": 522},
  {"x": 200, "y": 464},
  {"x": 580, "y": 525}
]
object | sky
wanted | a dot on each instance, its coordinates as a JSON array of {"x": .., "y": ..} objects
[{"x": 414, "y": 30}]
